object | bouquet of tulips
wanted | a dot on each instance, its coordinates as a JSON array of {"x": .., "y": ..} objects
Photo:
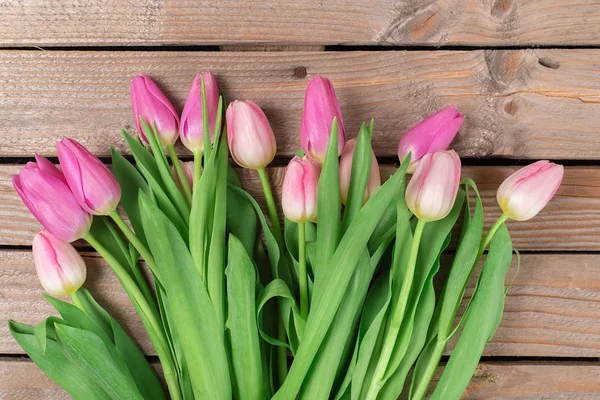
[{"x": 336, "y": 302}]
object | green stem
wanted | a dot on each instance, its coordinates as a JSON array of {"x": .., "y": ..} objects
[
  {"x": 273, "y": 216},
  {"x": 149, "y": 317},
  {"x": 397, "y": 315},
  {"x": 302, "y": 279},
  {"x": 137, "y": 243},
  {"x": 488, "y": 237},
  {"x": 282, "y": 360},
  {"x": 434, "y": 359},
  {"x": 76, "y": 298},
  {"x": 183, "y": 182},
  {"x": 197, "y": 166}
]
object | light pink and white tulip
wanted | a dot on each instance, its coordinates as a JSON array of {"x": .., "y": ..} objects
[
  {"x": 374, "y": 181},
  {"x": 45, "y": 192},
  {"x": 150, "y": 103},
  {"x": 432, "y": 190},
  {"x": 250, "y": 137},
  {"x": 299, "y": 190},
  {"x": 188, "y": 171},
  {"x": 526, "y": 192},
  {"x": 59, "y": 266},
  {"x": 433, "y": 134},
  {"x": 93, "y": 184},
  {"x": 192, "y": 124},
  {"x": 320, "y": 107}
]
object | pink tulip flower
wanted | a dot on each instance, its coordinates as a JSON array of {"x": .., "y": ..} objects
[
  {"x": 299, "y": 191},
  {"x": 251, "y": 139},
  {"x": 320, "y": 106},
  {"x": 94, "y": 186},
  {"x": 44, "y": 190},
  {"x": 188, "y": 170},
  {"x": 526, "y": 192},
  {"x": 59, "y": 266},
  {"x": 433, "y": 134},
  {"x": 192, "y": 125},
  {"x": 431, "y": 192},
  {"x": 149, "y": 103},
  {"x": 374, "y": 181}
]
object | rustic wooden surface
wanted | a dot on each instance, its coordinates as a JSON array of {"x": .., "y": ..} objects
[
  {"x": 525, "y": 73},
  {"x": 407, "y": 22},
  {"x": 515, "y": 107}
]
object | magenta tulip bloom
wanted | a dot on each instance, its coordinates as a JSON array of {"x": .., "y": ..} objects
[
  {"x": 431, "y": 135},
  {"x": 526, "y": 192},
  {"x": 59, "y": 266},
  {"x": 192, "y": 125},
  {"x": 251, "y": 139},
  {"x": 149, "y": 103},
  {"x": 320, "y": 106},
  {"x": 299, "y": 190},
  {"x": 44, "y": 190},
  {"x": 431, "y": 192},
  {"x": 94, "y": 186},
  {"x": 374, "y": 181}
]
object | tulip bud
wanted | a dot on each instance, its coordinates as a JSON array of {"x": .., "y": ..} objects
[
  {"x": 433, "y": 134},
  {"x": 374, "y": 181},
  {"x": 188, "y": 170},
  {"x": 320, "y": 107},
  {"x": 149, "y": 103},
  {"x": 59, "y": 266},
  {"x": 526, "y": 192},
  {"x": 299, "y": 190},
  {"x": 431, "y": 192},
  {"x": 94, "y": 186},
  {"x": 192, "y": 125},
  {"x": 43, "y": 189},
  {"x": 250, "y": 137}
]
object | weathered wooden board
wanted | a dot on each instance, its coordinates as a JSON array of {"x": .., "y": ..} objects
[
  {"x": 570, "y": 222},
  {"x": 492, "y": 380},
  {"x": 518, "y": 103},
  {"x": 551, "y": 310},
  {"x": 405, "y": 22}
]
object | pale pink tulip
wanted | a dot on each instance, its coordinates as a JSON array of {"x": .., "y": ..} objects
[
  {"x": 526, "y": 192},
  {"x": 433, "y": 134},
  {"x": 192, "y": 125},
  {"x": 320, "y": 107},
  {"x": 150, "y": 103},
  {"x": 432, "y": 190},
  {"x": 188, "y": 171},
  {"x": 374, "y": 181},
  {"x": 94, "y": 186},
  {"x": 44, "y": 190},
  {"x": 250, "y": 137},
  {"x": 59, "y": 266},
  {"x": 299, "y": 190}
]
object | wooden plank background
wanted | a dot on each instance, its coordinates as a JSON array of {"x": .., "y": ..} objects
[{"x": 525, "y": 73}]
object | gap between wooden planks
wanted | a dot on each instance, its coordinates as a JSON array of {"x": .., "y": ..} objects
[
  {"x": 570, "y": 222},
  {"x": 532, "y": 103},
  {"x": 405, "y": 22},
  {"x": 551, "y": 310},
  {"x": 492, "y": 380}
]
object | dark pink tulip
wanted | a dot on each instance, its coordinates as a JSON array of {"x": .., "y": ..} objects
[
  {"x": 192, "y": 125},
  {"x": 320, "y": 107},
  {"x": 150, "y": 103},
  {"x": 59, "y": 266},
  {"x": 250, "y": 137},
  {"x": 46, "y": 194},
  {"x": 94, "y": 186},
  {"x": 433, "y": 134},
  {"x": 299, "y": 190},
  {"x": 526, "y": 192}
]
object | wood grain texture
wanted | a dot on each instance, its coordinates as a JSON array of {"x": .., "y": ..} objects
[
  {"x": 570, "y": 222},
  {"x": 551, "y": 309},
  {"x": 492, "y": 381},
  {"x": 518, "y": 103},
  {"x": 404, "y": 22}
]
